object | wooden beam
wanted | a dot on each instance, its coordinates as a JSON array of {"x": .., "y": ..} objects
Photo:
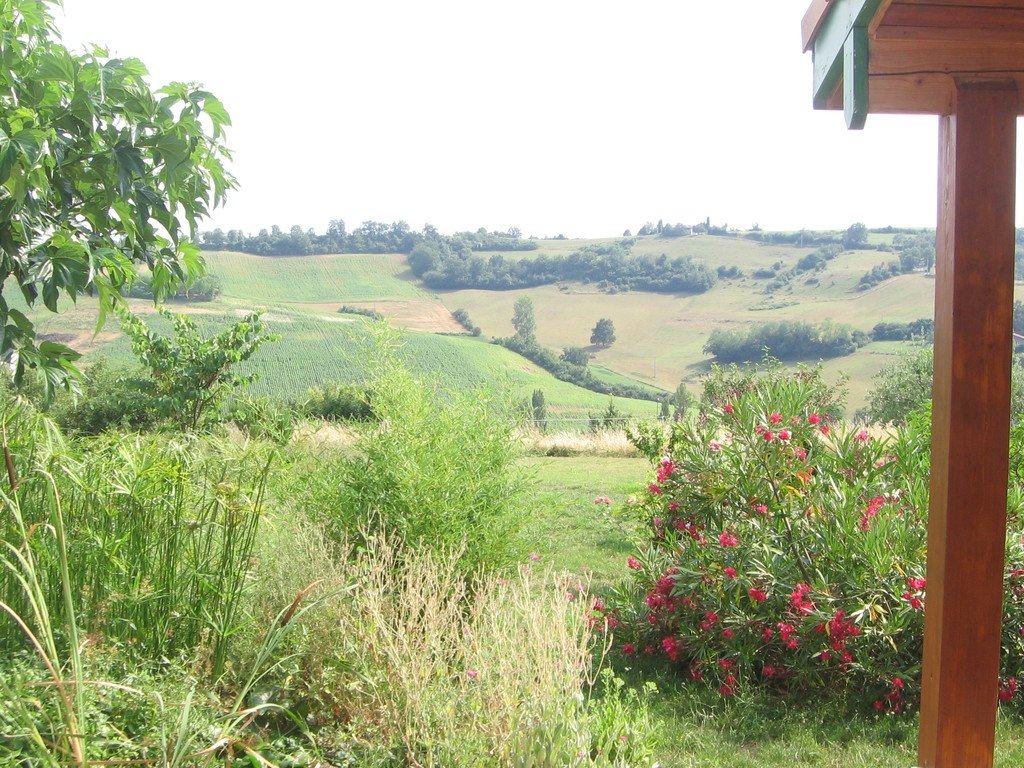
[
  {"x": 829, "y": 42},
  {"x": 855, "y": 78},
  {"x": 964, "y": 17},
  {"x": 812, "y": 21},
  {"x": 970, "y": 426},
  {"x": 991, "y": 3}
]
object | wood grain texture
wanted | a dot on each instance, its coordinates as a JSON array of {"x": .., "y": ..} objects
[{"x": 970, "y": 432}]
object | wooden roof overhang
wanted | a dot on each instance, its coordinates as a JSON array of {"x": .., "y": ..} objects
[
  {"x": 917, "y": 50},
  {"x": 964, "y": 61}
]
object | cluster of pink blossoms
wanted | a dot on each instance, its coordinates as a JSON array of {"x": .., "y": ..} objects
[
  {"x": 799, "y": 602},
  {"x": 874, "y": 506},
  {"x": 916, "y": 586}
]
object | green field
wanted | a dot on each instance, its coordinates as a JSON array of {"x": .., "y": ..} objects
[{"x": 660, "y": 336}]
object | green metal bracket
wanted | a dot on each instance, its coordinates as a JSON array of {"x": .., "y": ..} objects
[
  {"x": 835, "y": 55},
  {"x": 855, "y": 78}
]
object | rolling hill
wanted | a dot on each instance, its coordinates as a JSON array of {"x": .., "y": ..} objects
[{"x": 660, "y": 336}]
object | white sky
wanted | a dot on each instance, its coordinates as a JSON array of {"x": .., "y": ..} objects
[{"x": 581, "y": 117}]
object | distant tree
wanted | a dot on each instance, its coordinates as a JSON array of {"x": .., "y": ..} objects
[
  {"x": 855, "y": 236},
  {"x": 604, "y": 333},
  {"x": 576, "y": 355},
  {"x": 664, "y": 411},
  {"x": 661, "y": 226},
  {"x": 1018, "y": 317},
  {"x": 646, "y": 229},
  {"x": 514, "y": 232},
  {"x": 627, "y": 233},
  {"x": 538, "y": 407},
  {"x": 680, "y": 402},
  {"x": 523, "y": 320}
]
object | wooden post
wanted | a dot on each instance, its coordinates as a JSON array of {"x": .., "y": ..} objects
[{"x": 970, "y": 427}]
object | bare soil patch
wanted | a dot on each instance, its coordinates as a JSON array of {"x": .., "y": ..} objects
[{"x": 427, "y": 315}]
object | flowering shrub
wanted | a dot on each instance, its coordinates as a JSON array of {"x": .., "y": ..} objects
[{"x": 786, "y": 550}]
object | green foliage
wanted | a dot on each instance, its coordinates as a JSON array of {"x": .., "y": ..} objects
[
  {"x": 905, "y": 386},
  {"x": 523, "y": 319},
  {"x": 575, "y": 356},
  {"x": 782, "y": 551},
  {"x": 262, "y": 419},
  {"x": 161, "y": 533},
  {"x": 785, "y": 340},
  {"x": 111, "y": 398},
  {"x": 538, "y": 408},
  {"x": 603, "y": 334},
  {"x": 880, "y": 273},
  {"x": 449, "y": 263},
  {"x": 97, "y": 174},
  {"x": 435, "y": 469},
  {"x": 680, "y": 402},
  {"x": 922, "y": 329},
  {"x": 192, "y": 376},
  {"x": 856, "y": 236},
  {"x": 364, "y": 311},
  {"x": 203, "y": 288},
  {"x": 561, "y": 368},
  {"x": 337, "y": 402},
  {"x": 462, "y": 318}
]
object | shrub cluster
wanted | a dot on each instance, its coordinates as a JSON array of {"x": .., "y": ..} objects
[
  {"x": 564, "y": 370},
  {"x": 783, "y": 550},
  {"x": 785, "y": 340},
  {"x": 462, "y": 318},
  {"x": 373, "y": 314},
  {"x": 441, "y": 264}
]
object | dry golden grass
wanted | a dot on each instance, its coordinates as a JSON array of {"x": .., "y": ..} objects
[{"x": 605, "y": 442}]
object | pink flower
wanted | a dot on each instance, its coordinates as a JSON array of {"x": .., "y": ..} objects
[
  {"x": 863, "y": 436},
  {"x": 671, "y": 647},
  {"x": 775, "y": 418},
  {"x": 758, "y": 596},
  {"x": 602, "y": 500},
  {"x": 714, "y": 445},
  {"x": 628, "y": 649},
  {"x": 762, "y": 508},
  {"x": 730, "y": 572},
  {"x": 655, "y": 489},
  {"x": 813, "y": 418},
  {"x": 470, "y": 673},
  {"x": 728, "y": 539},
  {"x": 728, "y": 409},
  {"x": 768, "y": 437},
  {"x": 535, "y": 557},
  {"x": 784, "y": 434},
  {"x": 917, "y": 584},
  {"x": 914, "y": 600},
  {"x": 1007, "y": 689},
  {"x": 824, "y": 429},
  {"x": 634, "y": 564},
  {"x": 727, "y": 634}
]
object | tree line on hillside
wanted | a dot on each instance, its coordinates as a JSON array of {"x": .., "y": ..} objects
[
  {"x": 370, "y": 237},
  {"x": 785, "y": 340},
  {"x": 799, "y": 340},
  {"x": 440, "y": 265}
]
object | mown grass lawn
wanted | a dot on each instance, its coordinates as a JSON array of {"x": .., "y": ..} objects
[{"x": 696, "y": 727}]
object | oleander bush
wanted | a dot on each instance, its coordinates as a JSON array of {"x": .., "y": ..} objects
[{"x": 787, "y": 551}]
